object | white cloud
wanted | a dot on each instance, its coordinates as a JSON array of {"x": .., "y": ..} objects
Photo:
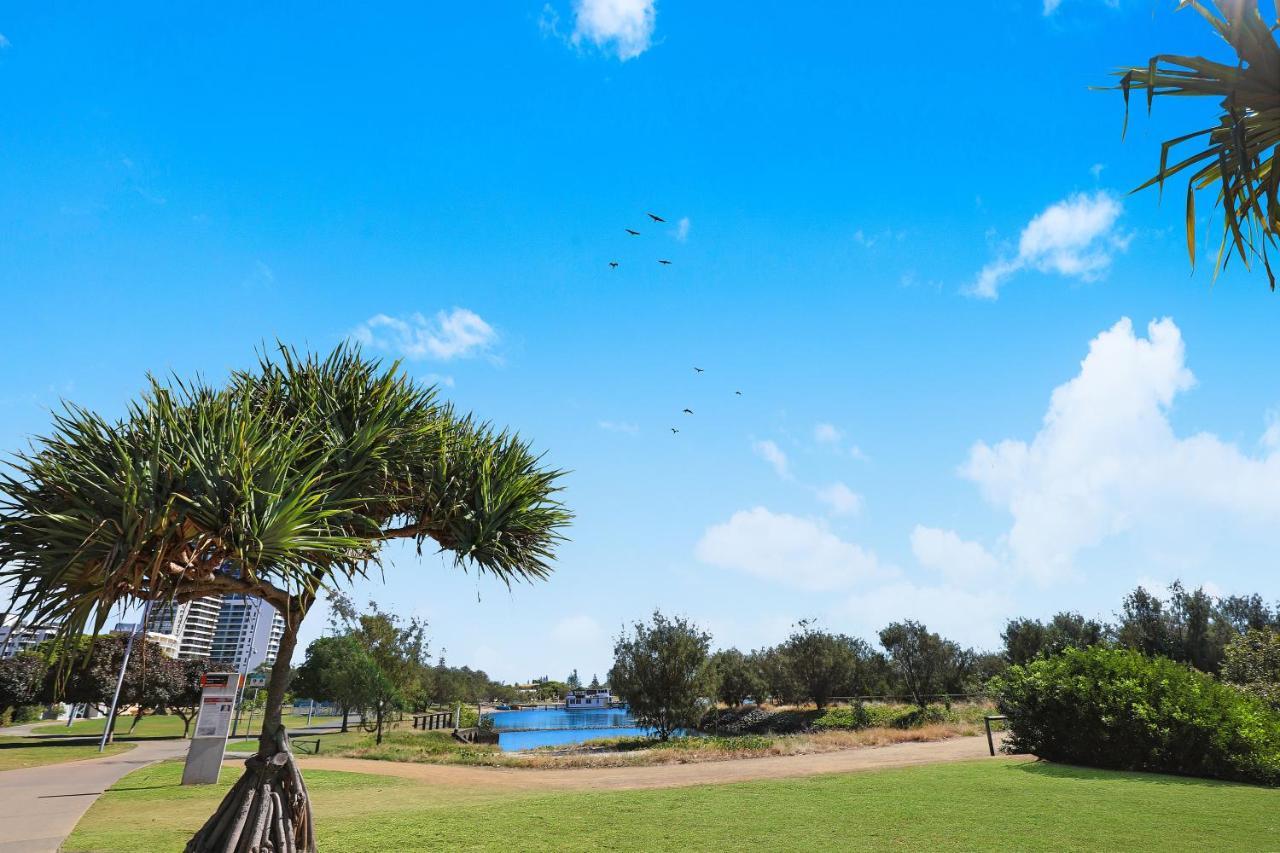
[
  {"x": 459, "y": 333},
  {"x": 1096, "y": 169},
  {"x": 772, "y": 453},
  {"x": 1051, "y": 6},
  {"x": 787, "y": 549},
  {"x": 827, "y": 434},
  {"x": 626, "y": 26},
  {"x": 969, "y": 618},
  {"x": 4, "y": 42},
  {"x": 618, "y": 426},
  {"x": 682, "y": 229},
  {"x": 841, "y": 499},
  {"x": 1107, "y": 463},
  {"x": 831, "y": 436},
  {"x": 960, "y": 562},
  {"x": 1075, "y": 237}
]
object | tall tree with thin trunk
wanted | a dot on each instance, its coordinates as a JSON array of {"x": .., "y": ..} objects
[
  {"x": 1235, "y": 158},
  {"x": 286, "y": 480}
]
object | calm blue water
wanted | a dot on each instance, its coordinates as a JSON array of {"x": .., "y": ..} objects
[{"x": 531, "y": 729}]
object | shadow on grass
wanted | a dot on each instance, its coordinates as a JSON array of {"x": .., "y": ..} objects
[{"x": 1053, "y": 770}]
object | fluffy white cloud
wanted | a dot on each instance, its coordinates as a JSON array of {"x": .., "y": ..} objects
[
  {"x": 1107, "y": 463},
  {"x": 959, "y": 561},
  {"x": 625, "y": 26},
  {"x": 773, "y": 454},
  {"x": 459, "y": 333},
  {"x": 969, "y": 618},
  {"x": 840, "y": 499},
  {"x": 788, "y": 549},
  {"x": 1075, "y": 237},
  {"x": 682, "y": 229}
]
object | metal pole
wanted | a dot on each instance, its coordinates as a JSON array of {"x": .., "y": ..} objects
[
  {"x": 128, "y": 650},
  {"x": 311, "y": 711},
  {"x": 71, "y": 717},
  {"x": 244, "y": 674}
]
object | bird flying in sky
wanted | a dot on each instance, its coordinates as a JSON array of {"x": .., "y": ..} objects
[
  {"x": 613, "y": 265},
  {"x": 632, "y": 232},
  {"x": 674, "y": 430},
  {"x": 655, "y": 217},
  {"x": 697, "y": 370},
  {"x": 664, "y": 262},
  {"x": 688, "y": 411},
  {"x": 738, "y": 393}
]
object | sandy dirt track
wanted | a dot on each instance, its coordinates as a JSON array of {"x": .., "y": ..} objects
[{"x": 668, "y": 775}]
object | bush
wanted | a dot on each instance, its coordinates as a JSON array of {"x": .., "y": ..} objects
[{"x": 1122, "y": 710}]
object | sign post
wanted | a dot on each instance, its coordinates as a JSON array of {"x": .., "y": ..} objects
[{"x": 213, "y": 724}]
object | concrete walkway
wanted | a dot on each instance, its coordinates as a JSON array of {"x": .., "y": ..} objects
[{"x": 39, "y": 806}]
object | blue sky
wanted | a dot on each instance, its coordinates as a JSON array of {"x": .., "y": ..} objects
[{"x": 904, "y": 228}]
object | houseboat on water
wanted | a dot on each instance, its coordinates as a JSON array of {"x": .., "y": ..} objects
[{"x": 577, "y": 700}]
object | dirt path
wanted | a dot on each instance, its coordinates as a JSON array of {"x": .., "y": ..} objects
[{"x": 667, "y": 775}]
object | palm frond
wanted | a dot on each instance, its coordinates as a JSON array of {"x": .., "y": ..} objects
[{"x": 1239, "y": 154}]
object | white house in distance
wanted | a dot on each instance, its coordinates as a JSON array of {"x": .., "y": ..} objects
[{"x": 577, "y": 700}]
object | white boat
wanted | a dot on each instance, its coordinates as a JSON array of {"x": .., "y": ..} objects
[{"x": 590, "y": 697}]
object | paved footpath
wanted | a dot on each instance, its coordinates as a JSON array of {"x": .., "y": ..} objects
[{"x": 39, "y": 806}]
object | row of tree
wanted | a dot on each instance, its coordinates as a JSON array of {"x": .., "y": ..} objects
[
  {"x": 152, "y": 682},
  {"x": 665, "y": 671},
  {"x": 1192, "y": 627},
  {"x": 376, "y": 665}
]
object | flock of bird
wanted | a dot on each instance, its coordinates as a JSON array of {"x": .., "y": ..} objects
[
  {"x": 657, "y": 220},
  {"x": 689, "y": 411},
  {"x": 634, "y": 233}
]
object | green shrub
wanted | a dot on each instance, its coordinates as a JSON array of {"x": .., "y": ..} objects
[
  {"x": 1122, "y": 710},
  {"x": 851, "y": 717}
]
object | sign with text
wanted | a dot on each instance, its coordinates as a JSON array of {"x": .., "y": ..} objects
[
  {"x": 258, "y": 680},
  {"x": 213, "y": 724}
]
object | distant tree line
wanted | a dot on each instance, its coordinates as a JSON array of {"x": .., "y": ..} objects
[{"x": 375, "y": 664}]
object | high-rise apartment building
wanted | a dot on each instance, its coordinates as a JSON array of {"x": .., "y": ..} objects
[
  {"x": 237, "y": 631},
  {"x": 248, "y": 633},
  {"x": 192, "y": 623}
]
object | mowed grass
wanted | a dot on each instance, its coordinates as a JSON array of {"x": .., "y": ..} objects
[
  {"x": 19, "y": 752},
  {"x": 165, "y": 726},
  {"x": 982, "y": 805}
]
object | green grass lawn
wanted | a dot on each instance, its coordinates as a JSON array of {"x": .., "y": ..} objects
[
  {"x": 985, "y": 805},
  {"x": 166, "y": 726},
  {"x": 19, "y": 752}
]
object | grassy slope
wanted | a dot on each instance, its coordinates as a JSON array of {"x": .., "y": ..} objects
[
  {"x": 978, "y": 805},
  {"x": 19, "y": 752}
]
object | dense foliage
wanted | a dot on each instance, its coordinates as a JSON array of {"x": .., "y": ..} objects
[
  {"x": 1124, "y": 710},
  {"x": 661, "y": 670},
  {"x": 1253, "y": 664}
]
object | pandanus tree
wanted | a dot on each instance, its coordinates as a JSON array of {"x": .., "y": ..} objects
[
  {"x": 287, "y": 480},
  {"x": 1236, "y": 156}
]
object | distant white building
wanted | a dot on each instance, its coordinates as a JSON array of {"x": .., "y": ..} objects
[
  {"x": 192, "y": 623},
  {"x": 588, "y": 698},
  {"x": 248, "y": 633},
  {"x": 235, "y": 630},
  {"x": 15, "y": 638}
]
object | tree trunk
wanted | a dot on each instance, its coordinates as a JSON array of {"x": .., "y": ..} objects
[
  {"x": 268, "y": 808},
  {"x": 345, "y": 712}
]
